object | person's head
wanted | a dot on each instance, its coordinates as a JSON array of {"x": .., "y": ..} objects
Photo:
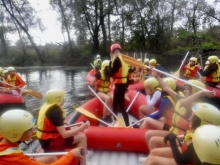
[
  {"x": 153, "y": 62},
  {"x": 151, "y": 83},
  {"x": 11, "y": 70},
  {"x": 193, "y": 61},
  {"x": 206, "y": 143},
  {"x": 171, "y": 82},
  {"x": 115, "y": 48},
  {"x": 213, "y": 59},
  {"x": 146, "y": 61},
  {"x": 55, "y": 96},
  {"x": 4, "y": 73},
  {"x": 204, "y": 113},
  {"x": 139, "y": 60},
  {"x": 105, "y": 65},
  {"x": 16, "y": 125},
  {"x": 98, "y": 56},
  {"x": 1, "y": 70},
  {"x": 189, "y": 90}
]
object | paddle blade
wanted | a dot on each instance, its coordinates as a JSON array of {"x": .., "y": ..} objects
[
  {"x": 33, "y": 93},
  {"x": 119, "y": 123},
  {"x": 132, "y": 61},
  {"x": 86, "y": 113}
]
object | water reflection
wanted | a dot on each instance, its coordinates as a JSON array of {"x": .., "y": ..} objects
[{"x": 70, "y": 80}]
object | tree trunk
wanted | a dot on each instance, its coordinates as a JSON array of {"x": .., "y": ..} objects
[
  {"x": 172, "y": 16},
  {"x": 4, "y": 45},
  {"x": 109, "y": 25}
]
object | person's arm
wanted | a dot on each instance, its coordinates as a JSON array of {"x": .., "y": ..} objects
[
  {"x": 210, "y": 69},
  {"x": 116, "y": 66},
  {"x": 97, "y": 76},
  {"x": 184, "y": 158},
  {"x": 152, "y": 101},
  {"x": 21, "y": 82}
]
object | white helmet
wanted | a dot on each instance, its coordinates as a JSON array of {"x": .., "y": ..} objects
[
  {"x": 206, "y": 143},
  {"x": 98, "y": 56},
  {"x": 10, "y": 68},
  {"x": 14, "y": 123},
  {"x": 55, "y": 96}
]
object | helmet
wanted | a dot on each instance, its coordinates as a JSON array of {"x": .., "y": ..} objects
[
  {"x": 55, "y": 96},
  {"x": 151, "y": 82},
  {"x": 114, "y": 47},
  {"x": 171, "y": 82},
  {"x": 139, "y": 60},
  {"x": 4, "y": 72},
  {"x": 207, "y": 113},
  {"x": 193, "y": 59},
  {"x": 197, "y": 83},
  {"x": 219, "y": 61},
  {"x": 152, "y": 62},
  {"x": 146, "y": 60},
  {"x": 98, "y": 56},
  {"x": 105, "y": 63},
  {"x": 14, "y": 123},
  {"x": 207, "y": 62},
  {"x": 11, "y": 68},
  {"x": 206, "y": 143},
  {"x": 1, "y": 70},
  {"x": 213, "y": 59}
]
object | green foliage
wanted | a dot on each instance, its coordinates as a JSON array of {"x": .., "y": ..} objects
[{"x": 207, "y": 46}]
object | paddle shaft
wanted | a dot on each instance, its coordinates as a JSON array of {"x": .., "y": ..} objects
[
  {"x": 183, "y": 60},
  {"x": 201, "y": 62},
  {"x": 47, "y": 154},
  {"x": 132, "y": 102},
  {"x": 92, "y": 65}
]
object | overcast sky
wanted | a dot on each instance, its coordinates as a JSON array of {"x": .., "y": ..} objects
[{"x": 48, "y": 16}]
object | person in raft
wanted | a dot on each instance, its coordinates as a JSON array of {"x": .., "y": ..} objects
[
  {"x": 202, "y": 114},
  {"x": 190, "y": 70},
  {"x": 119, "y": 73},
  {"x": 102, "y": 83},
  {"x": 182, "y": 111},
  {"x": 16, "y": 126},
  {"x": 153, "y": 96},
  {"x": 165, "y": 110},
  {"x": 51, "y": 131}
]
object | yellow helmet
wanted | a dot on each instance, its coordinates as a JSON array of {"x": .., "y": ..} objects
[
  {"x": 197, "y": 83},
  {"x": 14, "y": 123},
  {"x": 219, "y": 61},
  {"x": 55, "y": 96},
  {"x": 146, "y": 60},
  {"x": 152, "y": 62},
  {"x": 193, "y": 59},
  {"x": 206, "y": 143},
  {"x": 4, "y": 72},
  {"x": 1, "y": 70},
  {"x": 139, "y": 60},
  {"x": 207, "y": 62},
  {"x": 152, "y": 83},
  {"x": 105, "y": 63},
  {"x": 10, "y": 68},
  {"x": 213, "y": 59},
  {"x": 207, "y": 113},
  {"x": 171, "y": 82}
]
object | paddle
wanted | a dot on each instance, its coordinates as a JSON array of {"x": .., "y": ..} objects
[
  {"x": 27, "y": 91},
  {"x": 92, "y": 65},
  {"x": 47, "y": 154},
  {"x": 177, "y": 73},
  {"x": 200, "y": 57},
  {"x": 134, "y": 62},
  {"x": 104, "y": 104},
  {"x": 34, "y": 134},
  {"x": 89, "y": 114},
  {"x": 132, "y": 102}
]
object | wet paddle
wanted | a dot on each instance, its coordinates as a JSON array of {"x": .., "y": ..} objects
[
  {"x": 47, "y": 154},
  {"x": 134, "y": 62},
  {"x": 132, "y": 101},
  {"x": 27, "y": 91},
  {"x": 177, "y": 73},
  {"x": 89, "y": 114},
  {"x": 105, "y": 104}
]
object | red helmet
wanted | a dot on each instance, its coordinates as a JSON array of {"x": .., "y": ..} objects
[{"x": 115, "y": 46}]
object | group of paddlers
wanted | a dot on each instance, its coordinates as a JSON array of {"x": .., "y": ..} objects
[{"x": 177, "y": 131}]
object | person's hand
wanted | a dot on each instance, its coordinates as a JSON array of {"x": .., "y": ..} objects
[
  {"x": 85, "y": 125},
  {"x": 199, "y": 66},
  {"x": 170, "y": 137},
  {"x": 147, "y": 90},
  {"x": 154, "y": 74},
  {"x": 66, "y": 122},
  {"x": 77, "y": 152},
  {"x": 209, "y": 94}
]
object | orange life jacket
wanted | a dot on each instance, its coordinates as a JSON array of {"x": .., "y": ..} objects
[
  {"x": 121, "y": 76},
  {"x": 45, "y": 129},
  {"x": 213, "y": 76},
  {"x": 188, "y": 73},
  {"x": 15, "y": 81},
  {"x": 102, "y": 85},
  {"x": 93, "y": 72},
  {"x": 180, "y": 121}
]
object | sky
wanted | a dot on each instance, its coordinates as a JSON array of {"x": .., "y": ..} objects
[{"x": 53, "y": 33}]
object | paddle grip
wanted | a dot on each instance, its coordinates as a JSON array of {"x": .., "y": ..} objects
[{"x": 82, "y": 152}]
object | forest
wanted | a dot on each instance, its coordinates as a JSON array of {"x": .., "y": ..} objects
[{"x": 161, "y": 29}]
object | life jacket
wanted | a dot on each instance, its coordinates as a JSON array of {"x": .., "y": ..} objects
[
  {"x": 93, "y": 72},
  {"x": 156, "y": 106},
  {"x": 187, "y": 140},
  {"x": 146, "y": 71},
  {"x": 121, "y": 76},
  {"x": 213, "y": 76},
  {"x": 102, "y": 85},
  {"x": 168, "y": 114},
  {"x": 180, "y": 121},
  {"x": 190, "y": 74},
  {"x": 45, "y": 129},
  {"x": 11, "y": 150}
]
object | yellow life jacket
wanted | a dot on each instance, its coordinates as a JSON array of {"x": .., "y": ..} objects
[
  {"x": 188, "y": 73},
  {"x": 12, "y": 81},
  {"x": 214, "y": 76},
  {"x": 102, "y": 84},
  {"x": 11, "y": 150}
]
